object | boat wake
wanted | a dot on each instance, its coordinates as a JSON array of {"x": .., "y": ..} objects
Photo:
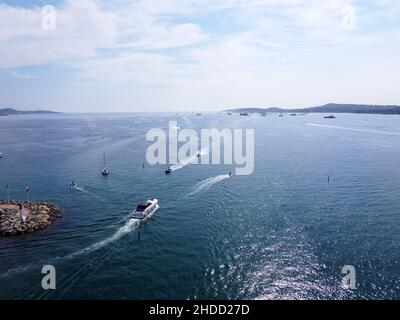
[
  {"x": 189, "y": 160},
  {"x": 207, "y": 183},
  {"x": 391, "y": 133},
  {"x": 129, "y": 226},
  {"x": 87, "y": 192}
]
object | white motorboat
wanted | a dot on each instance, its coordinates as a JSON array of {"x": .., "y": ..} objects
[{"x": 145, "y": 209}]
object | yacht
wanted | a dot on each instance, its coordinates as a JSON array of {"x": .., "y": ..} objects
[
  {"x": 145, "y": 209},
  {"x": 104, "y": 172}
]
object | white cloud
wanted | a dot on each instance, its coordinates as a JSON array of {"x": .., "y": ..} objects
[
  {"x": 203, "y": 52},
  {"x": 81, "y": 28},
  {"x": 163, "y": 37},
  {"x": 22, "y": 75}
]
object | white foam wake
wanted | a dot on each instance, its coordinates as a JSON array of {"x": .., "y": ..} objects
[
  {"x": 392, "y": 133},
  {"x": 125, "y": 229},
  {"x": 189, "y": 160},
  {"x": 87, "y": 192},
  {"x": 207, "y": 183},
  {"x": 204, "y": 151}
]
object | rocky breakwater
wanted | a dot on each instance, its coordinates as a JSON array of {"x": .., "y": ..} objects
[{"x": 20, "y": 217}]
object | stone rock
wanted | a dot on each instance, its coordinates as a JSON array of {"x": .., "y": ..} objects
[{"x": 38, "y": 215}]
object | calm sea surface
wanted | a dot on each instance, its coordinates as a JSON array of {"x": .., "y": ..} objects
[{"x": 283, "y": 232}]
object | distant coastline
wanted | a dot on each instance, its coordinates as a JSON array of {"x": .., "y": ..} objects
[
  {"x": 11, "y": 111},
  {"x": 328, "y": 108}
]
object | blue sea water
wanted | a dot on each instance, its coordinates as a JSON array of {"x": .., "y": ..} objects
[{"x": 283, "y": 232}]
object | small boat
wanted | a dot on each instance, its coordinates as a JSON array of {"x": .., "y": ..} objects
[
  {"x": 146, "y": 209},
  {"x": 281, "y": 115},
  {"x": 104, "y": 172},
  {"x": 293, "y": 114},
  {"x": 244, "y": 114},
  {"x": 330, "y": 117},
  {"x": 230, "y": 174},
  {"x": 72, "y": 184},
  {"x": 1, "y": 155},
  {"x": 168, "y": 171},
  {"x": 263, "y": 115}
]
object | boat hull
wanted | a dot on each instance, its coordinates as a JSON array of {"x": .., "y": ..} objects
[{"x": 145, "y": 216}]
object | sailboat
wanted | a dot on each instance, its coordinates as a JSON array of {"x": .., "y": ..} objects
[{"x": 104, "y": 172}]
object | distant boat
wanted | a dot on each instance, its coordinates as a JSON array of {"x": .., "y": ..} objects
[
  {"x": 229, "y": 113},
  {"x": 330, "y": 117},
  {"x": 245, "y": 114},
  {"x": 281, "y": 115},
  {"x": 263, "y": 115},
  {"x": 293, "y": 114},
  {"x": 198, "y": 114},
  {"x": 168, "y": 171},
  {"x": 105, "y": 171},
  {"x": 1, "y": 155}
]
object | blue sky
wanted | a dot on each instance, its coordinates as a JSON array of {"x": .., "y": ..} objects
[{"x": 186, "y": 55}]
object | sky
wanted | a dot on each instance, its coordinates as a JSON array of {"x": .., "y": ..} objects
[{"x": 197, "y": 55}]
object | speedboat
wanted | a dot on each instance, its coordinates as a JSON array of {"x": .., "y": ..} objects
[
  {"x": 168, "y": 171},
  {"x": 145, "y": 209},
  {"x": 230, "y": 174},
  {"x": 72, "y": 184}
]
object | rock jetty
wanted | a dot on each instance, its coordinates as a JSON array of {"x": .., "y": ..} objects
[{"x": 20, "y": 217}]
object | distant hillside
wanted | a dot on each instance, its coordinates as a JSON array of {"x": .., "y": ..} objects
[
  {"x": 330, "y": 108},
  {"x": 11, "y": 111}
]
